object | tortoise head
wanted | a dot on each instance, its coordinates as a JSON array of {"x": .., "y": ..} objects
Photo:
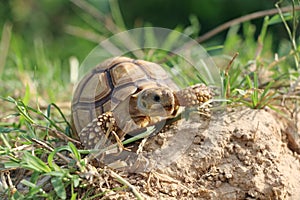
[{"x": 158, "y": 101}]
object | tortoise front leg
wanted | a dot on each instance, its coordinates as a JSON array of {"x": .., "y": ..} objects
[
  {"x": 104, "y": 135},
  {"x": 100, "y": 132},
  {"x": 195, "y": 95}
]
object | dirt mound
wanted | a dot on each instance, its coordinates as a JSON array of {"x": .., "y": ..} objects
[{"x": 239, "y": 155}]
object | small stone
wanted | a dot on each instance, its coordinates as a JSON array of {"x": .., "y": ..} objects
[
  {"x": 228, "y": 175},
  {"x": 218, "y": 183}
]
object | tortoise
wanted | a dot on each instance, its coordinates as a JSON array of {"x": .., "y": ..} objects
[{"x": 122, "y": 95}]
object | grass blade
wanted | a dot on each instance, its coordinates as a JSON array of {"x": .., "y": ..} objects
[
  {"x": 34, "y": 163},
  {"x": 4, "y": 45},
  {"x": 116, "y": 14}
]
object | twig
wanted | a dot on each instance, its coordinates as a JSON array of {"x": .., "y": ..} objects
[
  {"x": 239, "y": 20},
  {"x": 227, "y": 73},
  {"x": 123, "y": 181},
  {"x": 46, "y": 146},
  {"x": 56, "y": 133},
  {"x": 230, "y": 63},
  {"x": 235, "y": 21}
]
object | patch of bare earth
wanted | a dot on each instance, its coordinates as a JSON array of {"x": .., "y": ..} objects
[{"x": 240, "y": 155}]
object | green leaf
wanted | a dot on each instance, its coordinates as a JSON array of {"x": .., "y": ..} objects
[
  {"x": 116, "y": 14},
  {"x": 74, "y": 151},
  {"x": 76, "y": 180},
  {"x": 263, "y": 31},
  {"x": 213, "y": 48},
  {"x": 171, "y": 39},
  {"x": 17, "y": 195},
  {"x": 51, "y": 163},
  {"x": 249, "y": 82},
  {"x": 276, "y": 19},
  {"x": 5, "y": 141},
  {"x": 60, "y": 174},
  {"x": 266, "y": 90},
  {"x": 35, "y": 177},
  {"x": 151, "y": 39},
  {"x": 27, "y": 96},
  {"x": 74, "y": 196},
  {"x": 34, "y": 189},
  {"x": 9, "y": 130},
  {"x": 145, "y": 134},
  {"x": 59, "y": 187},
  {"x": 22, "y": 108},
  {"x": 47, "y": 116},
  {"x": 194, "y": 28},
  {"x": 12, "y": 164},
  {"x": 34, "y": 163},
  {"x": 255, "y": 92},
  {"x": 28, "y": 183}
]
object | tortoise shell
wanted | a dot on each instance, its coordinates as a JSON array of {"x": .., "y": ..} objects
[{"x": 109, "y": 86}]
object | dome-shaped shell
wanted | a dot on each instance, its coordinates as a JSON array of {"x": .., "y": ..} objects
[{"x": 109, "y": 86}]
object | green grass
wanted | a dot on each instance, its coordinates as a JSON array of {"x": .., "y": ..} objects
[{"x": 36, "y": 150}]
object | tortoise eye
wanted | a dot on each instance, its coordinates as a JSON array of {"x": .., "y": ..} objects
[{"x": 156, "y": 98}]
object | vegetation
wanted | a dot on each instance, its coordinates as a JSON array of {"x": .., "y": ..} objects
[{"x": 39, "y": 158}]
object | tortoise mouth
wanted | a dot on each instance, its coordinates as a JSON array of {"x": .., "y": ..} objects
[
  {"x": 160, "y": 110},
  {"x": 169, "y": 108}
]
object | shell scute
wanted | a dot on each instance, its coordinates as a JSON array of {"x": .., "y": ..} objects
[
  {"x": 154, "y": 71},
  {"x": 125, "y": 73}
]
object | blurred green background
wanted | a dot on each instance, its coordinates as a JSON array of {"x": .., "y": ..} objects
[
  {"x": 47, "y": 19},
  {"x": 46, "y": 33}
]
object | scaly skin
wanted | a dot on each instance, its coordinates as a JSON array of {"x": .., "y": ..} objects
[{"x": 194, "y": 95}]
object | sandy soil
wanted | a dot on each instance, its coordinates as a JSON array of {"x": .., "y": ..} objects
[{"x": 238, "y": 155}]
